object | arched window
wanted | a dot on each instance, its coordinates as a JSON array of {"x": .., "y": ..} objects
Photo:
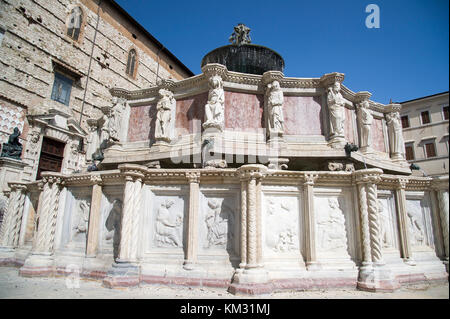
[
  {"x": 131, "y": 63},
  {"x": 74, "y": 23}
]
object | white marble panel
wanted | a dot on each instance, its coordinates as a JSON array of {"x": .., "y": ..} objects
[
  {"x": 110, "y": 220},
  {"x": 75, "y": 219},
  {"x": 165, "y": 224},
  {"x": 219, "y": 221},
  {"x": 388, "y": 221},
  {"x": 282, "y": 223},
  {"x": 418, "y": 220}
]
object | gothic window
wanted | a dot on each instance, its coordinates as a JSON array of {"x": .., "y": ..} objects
[
  {"x": 74, "y": 23},
  {"x": 131, "y": 63},
  {"x": 61, "y": 88}
]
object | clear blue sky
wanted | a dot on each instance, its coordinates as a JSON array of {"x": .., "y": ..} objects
[{"x": 406, "y": 58}]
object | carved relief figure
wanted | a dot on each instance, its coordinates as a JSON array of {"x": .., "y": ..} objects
[
  {"x": 275, "y": 106},
  {"x": 281, "y": 235},
  {"x": 219, "y": 222},
  {"x": 214, "y": 109},
  {"x": 113, "y": 226},
  {"x": 168, "y": 226},
  {"x": 336, "y": 103},
  {"x": 81, "y": 220},
  {"x": 365, "y": 120},
  {"x": 416, "y": 229},
  {"x": 286, "y": 240},
  {"x": 385, "y": 235},
  {"x": 395, "y": 134},
  {"x": 331, "y": 227},
  {"x": 164, "y": 116}
]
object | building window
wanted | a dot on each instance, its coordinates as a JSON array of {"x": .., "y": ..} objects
[
  {"x": 409, "y": 151},
  {"x": 405, "y": 121},
  {"x": 430, "y": 149},
  {"x": 425, "y": 116},
  {"x": 445, "y": 112},
  {"x": 61, "y": 88},
  {"x": 74, "y": 23},
  {"x": 131, "y": 63}
]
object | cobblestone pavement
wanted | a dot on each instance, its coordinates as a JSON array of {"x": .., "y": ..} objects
[{"x": 12, "y": 286}]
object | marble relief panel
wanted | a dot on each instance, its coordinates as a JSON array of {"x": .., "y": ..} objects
[
  {"x": 165, "y": 226},
  {"x": 281, "y": 224},
  {"x": 110, "y": 220},
  {"x": 418, "y": 220},
  {"x": 76, "y": 219},
  {"x": 218, "y": 223},
  {"x": 335, "y": 234},
  {"x": 388, "y": 221}
]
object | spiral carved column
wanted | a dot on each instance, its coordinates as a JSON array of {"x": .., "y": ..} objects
[
  {"x": 191, "y": 245},
  {"x": 127, "y": 220},
  {"x": 12, "y": 221},
  {"x": 374, "y": 223},
  {"x": 443, "y": 210}
]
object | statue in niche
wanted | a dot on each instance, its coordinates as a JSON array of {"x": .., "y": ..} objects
[
  {"x": 365, "y": 120},
  {"x": 168, "y": 226},
  {"x": 275, "y": 101},
  {"x": 164, "y": 116},
  {"x": 113, "y": 226},
  {"x": 116, "y": 115},
  {"x": 219, "y": 221},
  {"x": 241, "y": 35},
  {"x": 81, "y": 221},
  {"x": 331, "y": 227},
  {"x": 417, "y": 234},
  {"x": 396, "y": 143},
  {"x": 336, "y": 107},
  {"x": 214, "y": 109},
  {"x": 13, "y": 149},
  {"x": 384, "y": 225}
]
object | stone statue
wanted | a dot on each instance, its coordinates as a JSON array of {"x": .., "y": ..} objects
[
  {"x": 275, "y": 101},
  {"x": 365, "y": 120},
  {"x": 164, "y": 116},
  {"x": 240, "y": 35},
  {"x": 113, "y": 226},
  {"x": 116, "y": 118},
  {"x": 336, "y": 107},
  {"x": 395, "y": 135},
  {"x": 13, "y": 149},
  {"x": 92, "y": 141},
  {"x": 214, "y": 109},
  {"x": 167, "y": 229}
]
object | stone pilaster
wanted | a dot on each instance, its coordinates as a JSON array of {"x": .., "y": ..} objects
[
  {"x": 94, "y": 216},
  {"x": 191, "y": 245},
  {"x": 440, "y": 186},
  {"x": 310, "y": 226},
  {"x": 40, "y": 262},
  {"x": 12, "y": 221},
  {"x": 400, "y": 204},
  {"x": 251, "y": 276},
  {"x": 373, "y": 274},
  {"x": 125, "y": 270}
]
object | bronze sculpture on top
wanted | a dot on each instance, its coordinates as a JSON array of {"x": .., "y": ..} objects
[{"x": 13, "y": 149}]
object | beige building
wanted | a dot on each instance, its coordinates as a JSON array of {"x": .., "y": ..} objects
[
  {"x": 59, "y": 59},
  {"x": 425, "y": 123}
]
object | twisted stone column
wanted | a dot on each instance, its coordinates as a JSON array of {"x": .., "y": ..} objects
[
  {"x": 12, "y": 220},
  {"x": 191, "y": 245},
  {"x": 244, "y": 182},
  {"x": 443, "y": 211},
  {"x": 308, "y": 210},
  {"x": 373, "y": 275}
]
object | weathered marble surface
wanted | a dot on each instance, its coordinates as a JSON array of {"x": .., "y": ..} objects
[
  {"x": 302, "y": 115},
  {"x": 377, "y": 135},
  {"x": 190, "y": 114},
  {"x": 243, "y": 112}
]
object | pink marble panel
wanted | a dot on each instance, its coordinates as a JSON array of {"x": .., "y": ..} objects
[
  {"x": 302, "y": 115},
  {"x": 243, "y": 112},
  {"x": 141, "y": 126},
  {"x": 190, "y": 114},
  {"x": 348, "y": 126},
  {"x": 377, "y": 135}
]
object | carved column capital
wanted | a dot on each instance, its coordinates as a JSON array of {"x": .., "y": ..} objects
[
  {"x": 310, "y": 178},
  {"x": 132, "y": 171},
  {"x": 96, "y": 180},
  {"x": 401, "y": 183},
  {"x": 270, "y": 76},
  {"x": 211, "y": 69},
  {"x": 329, "y": 79},
  {"x": 368, "y": 176},
  {"x": 440, "y": 183},
  {"x": 251, "y": 171},
  {"x": 193, "y": 177}
]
